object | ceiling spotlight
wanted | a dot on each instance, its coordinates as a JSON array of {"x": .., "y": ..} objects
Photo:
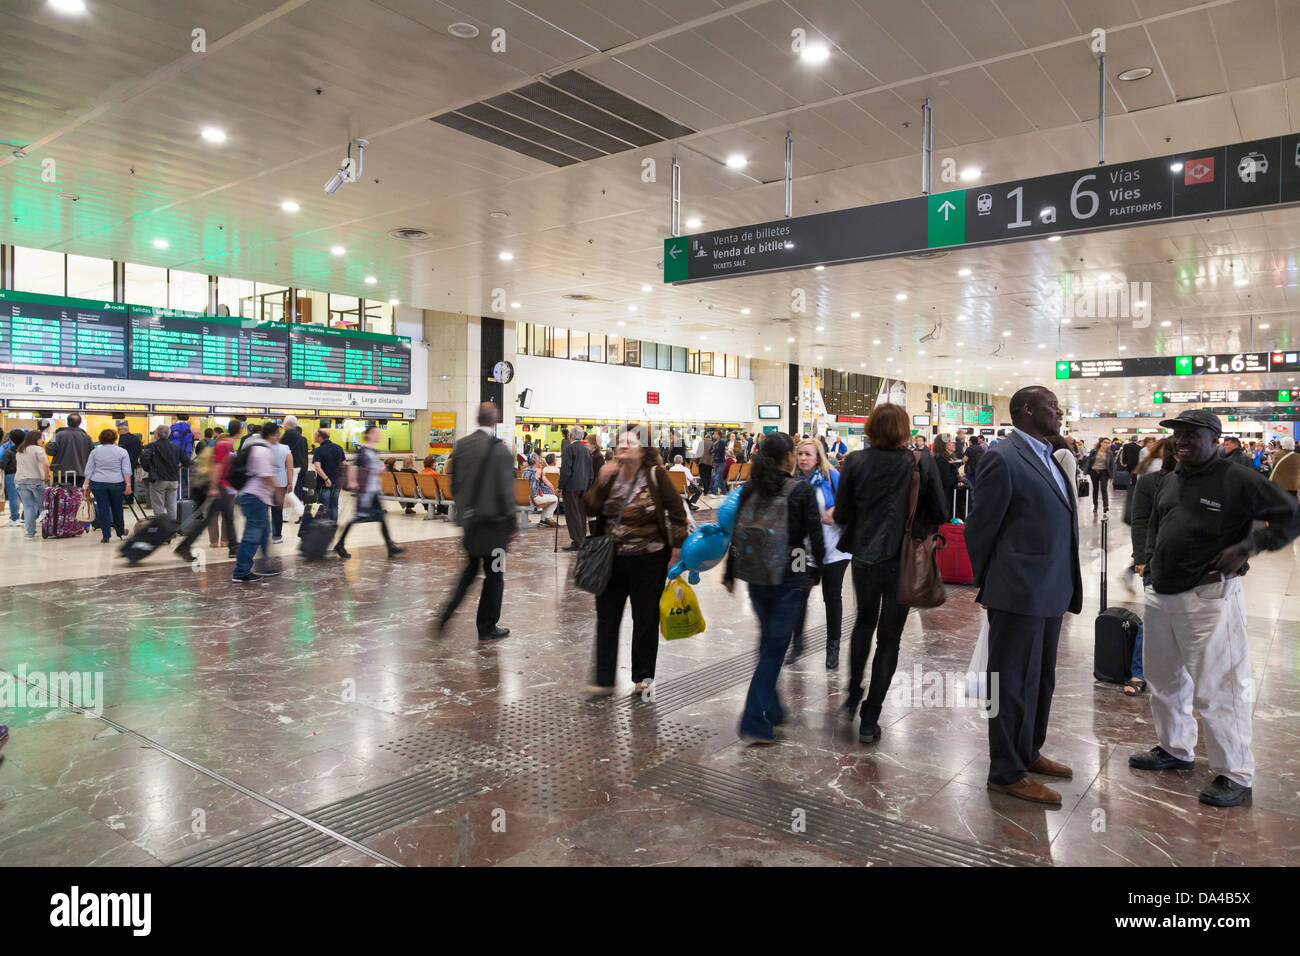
[
  {"x": 69, "y": 6},
  {"x": 1042, "y": 345},
  {"x": 1005, "y": 334},
  {"x": 1104, "y": 277},
  {"x": 1263, "y": 325},
  {"x": 744, "y": 311},
  {"x": 463, "y": 31},
  {"x": 645, "y": 288},
  {"x": 791, "y": 339},
  {"x": 855, "y": 315},
  {"x": 631, "y": 308},
  {"x": 704, "y": 338},
  {"x": 505, "y": 256},
  {"x": 1137, "y": 73},
  {"x": 920, "y": 351},
  {"x": 1123, "y": 348},
  {"x": 889, "y": 358},
  {"x": 820, "y": 357},
  {"x": 290, "y": 206},
  {"x": 970, "y": 174},
  {"x": 213, "y": 135},
  {"x": 371, "y": 280},
  {"x": 875, "y": 341},
  {"x": 962, "y": 318},
  {"x": 1242, "y": 282},
  {"x": 337, "y": 251},
  {"x": 514, "y": 305},
  {"x": 394, "y": 302},
  {"x": 767, "y": 348},
  {"x": 815, "y": 53},
  {"x": 621, "y": 322},
  {"x": 901, "y": 297},
  {"x": 963, "y": 272},
  {"x": 862, "y": 365},
  {"x": 736, "y": 161},
  {"x": 819, "y": 268},
  {"x": 960, "y": 345},
  {"x": 1175, "y": 167},
  {"x": 694, "y": 222}
]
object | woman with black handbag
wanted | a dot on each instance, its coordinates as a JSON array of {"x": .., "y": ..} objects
[
  {"x": 639, "y": 509},
  {"x": 873, "y": 507}
]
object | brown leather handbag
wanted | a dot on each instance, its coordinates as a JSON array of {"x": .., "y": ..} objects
[{"x": 919, "y": 581}]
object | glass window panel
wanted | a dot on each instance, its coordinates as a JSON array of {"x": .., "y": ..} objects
[
  {"x": 521, "y": 338},
  {"x": 559, "y": 343},
  {"x": 235, "y": 297},
  {"x": 146, "y": 285},
  {"x": 313, "y": 307},
  {"x": 539, "y": 340},
  {"x": 615, "y": 350},
  {"x": 36, "y": 270},
  {"x": 578, "y": 345},
  {"x": 379, "y": 317},
  {"x": 344, "y": 311},
  {"x": 706, "y": 363},
  {"x": 272, "y": 302},
  {"x": 665, "y": 359},
  {"x": 693, "y": 361},
  {"x": 188, "y": 290},
  {"x": 596, "y": 347},
  {"x": 649, "y": 354},
  {"x": 733, "y": 366},
  {"x": 679, "y": 358},
  {"x": 632, "y": 353},
  {"x": 719, "y": 365},
  {"x": 90, "y": 278}
]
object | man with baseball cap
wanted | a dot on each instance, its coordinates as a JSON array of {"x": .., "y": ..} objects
[{"x": 1194, "y": 652}]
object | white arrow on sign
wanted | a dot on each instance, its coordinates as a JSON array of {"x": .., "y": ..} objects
[
  {"x": 946, "y": 208},
  {"x": 672, "y": 251}
]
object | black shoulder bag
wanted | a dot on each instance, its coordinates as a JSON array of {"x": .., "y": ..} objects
[{"x": 596, "y": 556}]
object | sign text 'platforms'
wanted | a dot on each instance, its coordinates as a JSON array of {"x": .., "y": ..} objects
[
  {"x": 1207, "y": 182},
  {"x": 1221, "y": 363}
]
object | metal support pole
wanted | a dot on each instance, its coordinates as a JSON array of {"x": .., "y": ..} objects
[
  {"x": 789, "y": 174},
  {"x": 675, "y": 210},
  {"x": 927, "y": 144},
  {"x": 1101, "y": 111}
]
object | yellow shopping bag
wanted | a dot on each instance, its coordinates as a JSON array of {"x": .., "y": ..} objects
[{"x": 679, "y": 611}]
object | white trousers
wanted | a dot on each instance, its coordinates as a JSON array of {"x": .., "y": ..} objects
[
  {"x": 1195, "y": 654},
  {"x": 548, "y": 504}
]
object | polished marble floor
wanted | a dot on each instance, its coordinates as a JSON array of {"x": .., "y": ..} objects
[{"x": 315, "y": 718}]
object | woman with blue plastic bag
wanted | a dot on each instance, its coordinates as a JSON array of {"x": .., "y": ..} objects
[{"x": 812, "y": 466}]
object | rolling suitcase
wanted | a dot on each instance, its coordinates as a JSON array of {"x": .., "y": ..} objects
[
  {"x": 1114, "y": 633},
  {"x": 148, "y": 537},
  {"x": 315, "y": 535},
  {"x": 954, "y": 560},
  {"x": 60, "y": 508}
]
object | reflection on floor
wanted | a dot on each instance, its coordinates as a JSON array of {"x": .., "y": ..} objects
[{"x": 325, "y": 697}]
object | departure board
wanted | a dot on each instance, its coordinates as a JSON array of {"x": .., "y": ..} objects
[
  {"x": 174, "y": 346},
  {"x": 321, "y": 357},
  {"x": 51, "y": 335}
]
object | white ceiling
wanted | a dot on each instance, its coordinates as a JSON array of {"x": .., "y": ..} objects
[{"x": 117, "y": 99}]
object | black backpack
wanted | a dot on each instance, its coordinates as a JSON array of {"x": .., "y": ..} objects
[
  {"x": 760, "y": 537},
  {"x": 237, "y": 473}
]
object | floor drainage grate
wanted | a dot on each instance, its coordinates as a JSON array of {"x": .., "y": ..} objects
[
  {"x": 860, "y": 834},
  {"x": 291, "y": 843}
]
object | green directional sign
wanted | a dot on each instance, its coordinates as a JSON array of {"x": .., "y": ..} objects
[
  {"x": 1183, "y": 365},
  {"x": 1062, "y": 369},
  {"x": 945, "y": 223},
  {"x": 676, "y": 258},
  {"x": 1158, "y": 398}
]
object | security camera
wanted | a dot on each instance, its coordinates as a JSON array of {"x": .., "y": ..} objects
[{"x": 348, "y": 171}]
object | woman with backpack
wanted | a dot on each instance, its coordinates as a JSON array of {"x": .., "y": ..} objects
[
  {"x": 9, "y": 465},
  {"x": 775, "y": 517},
  {"x": 636, "y": 503},
  {"x": 873, "y": 506},
  {"x": 812, "y": 466}
]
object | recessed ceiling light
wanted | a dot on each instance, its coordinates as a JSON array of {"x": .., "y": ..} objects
[
  {"x": 514, "y": 305},
  {"x": 791, "y": 339},
  {"x": 1005, "y": 334},
  {"x": 1042, "y": 345},
  {"x": 962, "y": 318},
  {"x": 337, "y": 250},
  {"x": 621, "y": 322},
  {"x": 875, "y": 341},
  {"x": 744, "y": 311},
  {"x": 290, "y": 206},
  {"x": 963, "y": 272},
  {"x": 1137, "y": 73},
  {"x": 889, "y": 358},
  {"x": 463, "y": 30},
  {"x": 1243, "y": 282},
  {"x": 161, "y": 243},
  {"x": 814, "y": 53},
  {"x": 396, "y": 302},
  {"x": 1104, "y": 277},
  {"x": 1066, "y": 321},
  {"x": 69, "y": 6},
  {"x": 855, "y": 315},
  {"x": 822, "y": 328},
  {"x": 862, "y": 365},
  {"x": 970, "y": 174},
  {"x": 1123, "y": 348},
  {"x": 704, "y": 338},
  {"x": 736, "y": 161},
  {"x": 631, "y": 308},
  {"x": 901, "y": 297},
  {"x": 1263, "y": 325},
  {"x": 213, "y": 135},
  {"x": 960, "y": 345},
  {"x": 920, "y": 351},
  {"x": 694, "y": 222},
  {"x": 820, "y": 357},
  {"x": 499, "y": 214},
  {"x": 1175, "y": 167},
  {"x": 505, "y": 256},
  {"x": 767, "y": 348},
  {"x": 646, "y": 287},
  {"x": 749, "y": 356},
  {"x": 1053, "y": 238}
]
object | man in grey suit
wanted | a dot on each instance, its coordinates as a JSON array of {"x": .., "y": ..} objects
[
  {"x": 575, "y": 478},
  {"x": 1023, "y": 538},
  {"x": 483, "y": 487}
]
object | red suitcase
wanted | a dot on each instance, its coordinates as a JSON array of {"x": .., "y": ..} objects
[{"x": 954, "y": 562}]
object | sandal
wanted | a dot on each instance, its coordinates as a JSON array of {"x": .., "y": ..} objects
[{"x": 1134, "y": 686}]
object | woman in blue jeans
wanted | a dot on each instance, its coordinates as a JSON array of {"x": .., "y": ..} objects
[
  {"x": 32, "y": 477},
  {"x": 9, "y": 465},
  {"x": 108, "y": 478},
  {"x": 774, "y": 517}
]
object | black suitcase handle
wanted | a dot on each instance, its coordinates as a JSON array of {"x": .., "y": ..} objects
[{"x": 1103, "y": 562}]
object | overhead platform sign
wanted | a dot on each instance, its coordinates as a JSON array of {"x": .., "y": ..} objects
[
  {"x": 1221, "y": 363},
  {"x": 1204, "y": 182},
  {"x": 1246, "y": 395}
]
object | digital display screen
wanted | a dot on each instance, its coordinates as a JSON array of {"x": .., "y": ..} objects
[
  {"x": 769, "y": 411},
  {"x": 51, "y": 335},
  {"x": 353, "y": 361},
  {"x": 174, "y": 346}
]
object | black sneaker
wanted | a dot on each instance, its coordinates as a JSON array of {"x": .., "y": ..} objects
[
  {"x": 1158, "y": 758},
  {"x": 248, "y": 578},
  {"x": 185, "y": 554},
  {"x": 395, "y": 551},
  {"x": 342, "y": 552},
  {"x": 1226, "y": 793}
]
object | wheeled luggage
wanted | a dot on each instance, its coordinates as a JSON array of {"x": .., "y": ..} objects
[
  {"x": 315, "y": 534},
  {"x": 60, "y": 509},
  {"x": 1115, "y": 632},
  {"x": 1122, "y": 480},
  {"x": 954, "y": 560},
  {"x": 148, "y": 537}
]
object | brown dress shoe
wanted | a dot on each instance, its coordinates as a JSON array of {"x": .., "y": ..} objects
[
  {"x": 1050, "y": 768},
  {"x": 1027, "y": 789}
]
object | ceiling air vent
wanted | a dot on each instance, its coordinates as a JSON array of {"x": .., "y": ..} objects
[
  {"x": 562, "y": 120},
  {"x": 409, "y": 234},
  {"x": 584, "y": 297}
]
